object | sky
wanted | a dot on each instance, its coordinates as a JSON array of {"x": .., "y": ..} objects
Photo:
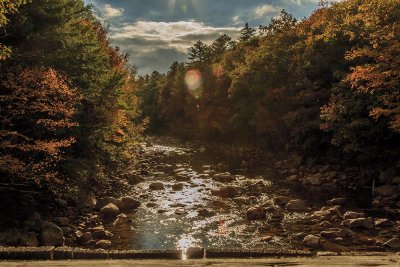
[{"x": 156, "y": 33}]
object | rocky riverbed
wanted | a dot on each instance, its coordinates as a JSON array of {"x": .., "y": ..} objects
[{"x": 183, "y": 196}]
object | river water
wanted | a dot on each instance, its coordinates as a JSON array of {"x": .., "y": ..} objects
[{"x": 196, "y": 216}]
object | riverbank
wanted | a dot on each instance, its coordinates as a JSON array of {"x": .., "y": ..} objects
[{"x": 180, "y": 195}]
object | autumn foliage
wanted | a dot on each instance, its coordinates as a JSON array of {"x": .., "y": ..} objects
[
  {"x": 38, "y": 106},
  {"x": 69, "y": 112}
]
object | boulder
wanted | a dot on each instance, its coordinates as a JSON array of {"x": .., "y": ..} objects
[
  {"x": 385, "y": 190},
  {"x": 10, "y": 237},
  {"x": 104, "y": 244},
  {"x": 353, "y": 215},
  {"x": 177, "y": 187},
  {"x": 102, "y": 202},
  {"x": 312, "y": 241},
  {"x": 130, "y": 203},
  {"x": 358, "y": 223},
  {"x": 51, "y": 235},
  {"x": 156, "y": 186},
  {"x": 110, "y": 211},
  {"x": 29, "y": 239},
  {"x": 393, "y": 243},
  {"x": 336, "y": 201},
  {"x": 255, "y": 213},
  {"x": 296, "y": 205}
]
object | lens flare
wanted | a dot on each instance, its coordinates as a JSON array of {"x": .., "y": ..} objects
[
  {"x": 218, "y": 70},
  {"x": 193, "y": 82}
]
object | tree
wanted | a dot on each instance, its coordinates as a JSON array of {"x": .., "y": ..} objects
[
  {"x": 247, "y": 33},
  {"x": 8, "y": 7},
  {"x": 38, "y": 106},
  {"x": 220, "y": 45},
  {"x": 199, "y": 52}
]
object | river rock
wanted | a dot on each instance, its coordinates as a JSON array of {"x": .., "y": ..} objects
[
  {"x": 322, "y": 214},
  {"x": 177, "y": 187},
  {"x": 183, "y": 177},
  {"x": 29, "y": 239},
  {"x": 110, "y": 211},
  {"x": 333, "y": 234},
  {"x": 102, "y": 234},
  {"x": 325, "y": 224},
  {"x": 51, "y": 235},
  {"x": 61, "y": 221},
  {"x": 292, "y": 178},
  {"x": 281, "y": 200},
  {"x": 156, "y": 186},
  {"x": 97, "y": 228},
  {"x": 151, "y": 204},
  {"x": 296, "y": 205},
  {"x": 205, "y": 213},
  {"x": 226, "y": 192},
  {"x": 180, "y": 211},
  {"x": 383, "y": 223},
  {"x": 312, "y": 241},
  {"x": 85, "y": 237},
  {"x": 336, "y": 201},
  {"x": 102, "y": 202},
  {"x": 313, "y": 180},
  {"x": 393, "y": 243},
  {"x": 130, "y": 203},
  {"x": 104, "y": 244},
  {"x": 358, "y": 223},
  {"x": 255, "y": 213},
  {"x": 225, "y": 177},
  {"x": 353, "y": 215},
  {"x": 66, "y": 230},
  {"x": 385, "y": 190}
]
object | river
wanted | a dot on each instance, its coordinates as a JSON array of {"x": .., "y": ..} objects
[{"x": 194, "y": 213}]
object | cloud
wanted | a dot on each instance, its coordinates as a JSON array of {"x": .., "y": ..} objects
[
  {"x": 179, "y": 35},
  {"x": 111, "y": 12},
  {"x": 261, "y": 11},
  {"x": 160, "y": 43},
  {"x": 157, "y": 32}
]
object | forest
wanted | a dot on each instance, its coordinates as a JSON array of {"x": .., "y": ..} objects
[
  {"x": 69, "y": 114},
  {"x": 325, "y": 87},
  {"x": 77, "y": 122}
]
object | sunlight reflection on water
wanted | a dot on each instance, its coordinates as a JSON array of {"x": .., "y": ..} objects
[{"x": 186, "y": 242}]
